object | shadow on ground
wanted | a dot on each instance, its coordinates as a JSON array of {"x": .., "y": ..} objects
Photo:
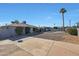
[{"x": 14, "y": 38}]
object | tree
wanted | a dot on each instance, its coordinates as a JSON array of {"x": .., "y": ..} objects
[
  {"x": 12, "y": 22},
  {"x": 24, "y": 22},
  {"x": 62, "y": 11},
  {"x": 15, "y": 22}
]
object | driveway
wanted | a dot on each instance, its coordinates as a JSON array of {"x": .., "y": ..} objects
[{"x": 46, "y": 44}]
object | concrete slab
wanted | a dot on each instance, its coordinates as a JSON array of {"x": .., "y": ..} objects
[
  {"x": 36, "y": 46},
  {"x": 42, "y": 47},
  {"x": 6, "y": 49},
  {"x": 59, "y": 51},
  {"x": 12, "y": 50},
  {"x": 20, "y": 52},
  {"x": 69, "y": 46},
  {"x": 7, "y": 41}
]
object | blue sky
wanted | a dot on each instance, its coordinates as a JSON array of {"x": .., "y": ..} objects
[{"x": 46, "y": 14}]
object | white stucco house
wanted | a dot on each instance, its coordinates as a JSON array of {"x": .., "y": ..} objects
[{"x": 9, "y": 30}]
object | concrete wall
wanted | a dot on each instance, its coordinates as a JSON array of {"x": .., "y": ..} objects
[{"x": 4, "y": 33}]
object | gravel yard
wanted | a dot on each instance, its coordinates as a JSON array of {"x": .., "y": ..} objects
[
  {"x": 59, "y": 36},
  {"x": 71, "y": 39}
]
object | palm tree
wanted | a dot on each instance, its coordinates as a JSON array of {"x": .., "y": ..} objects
[{"x": 62, "y": 11}]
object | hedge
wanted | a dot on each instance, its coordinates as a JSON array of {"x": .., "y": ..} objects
[{"x": 72, "y": 31}]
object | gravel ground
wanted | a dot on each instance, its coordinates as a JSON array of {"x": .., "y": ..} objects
[
  {"x": 71, "y": 39},
  {"x": 51, "y": 35},
  {"x": 59, "y": 36}
]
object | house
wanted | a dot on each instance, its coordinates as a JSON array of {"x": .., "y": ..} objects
[{"x": 10, "y": 30}]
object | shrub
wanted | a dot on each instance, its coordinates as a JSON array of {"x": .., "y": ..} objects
[
  {"x": 18, "y": 31},
  {"x": 72, "y": 31}
]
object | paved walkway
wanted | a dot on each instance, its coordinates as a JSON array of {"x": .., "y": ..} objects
[{"x": 38, "y": 46}]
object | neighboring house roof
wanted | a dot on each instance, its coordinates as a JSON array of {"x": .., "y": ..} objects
[{"x": 21, "y": 25}]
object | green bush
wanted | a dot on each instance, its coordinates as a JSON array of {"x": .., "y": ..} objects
[
  {"x": 19, "y": 31},
  {"x": 72, "y": 31}
]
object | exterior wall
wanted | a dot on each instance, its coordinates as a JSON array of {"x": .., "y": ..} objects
[
  {"x": 10, "y": 31},
  {"x": 7, "y": 32}
]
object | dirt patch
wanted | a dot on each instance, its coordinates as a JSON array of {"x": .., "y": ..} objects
[
  {"x": 59, "y": 36},
  {"x": 71, "y": 38}
]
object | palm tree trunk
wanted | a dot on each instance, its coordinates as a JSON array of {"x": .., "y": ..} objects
[{"x": 63, "y": 21}]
